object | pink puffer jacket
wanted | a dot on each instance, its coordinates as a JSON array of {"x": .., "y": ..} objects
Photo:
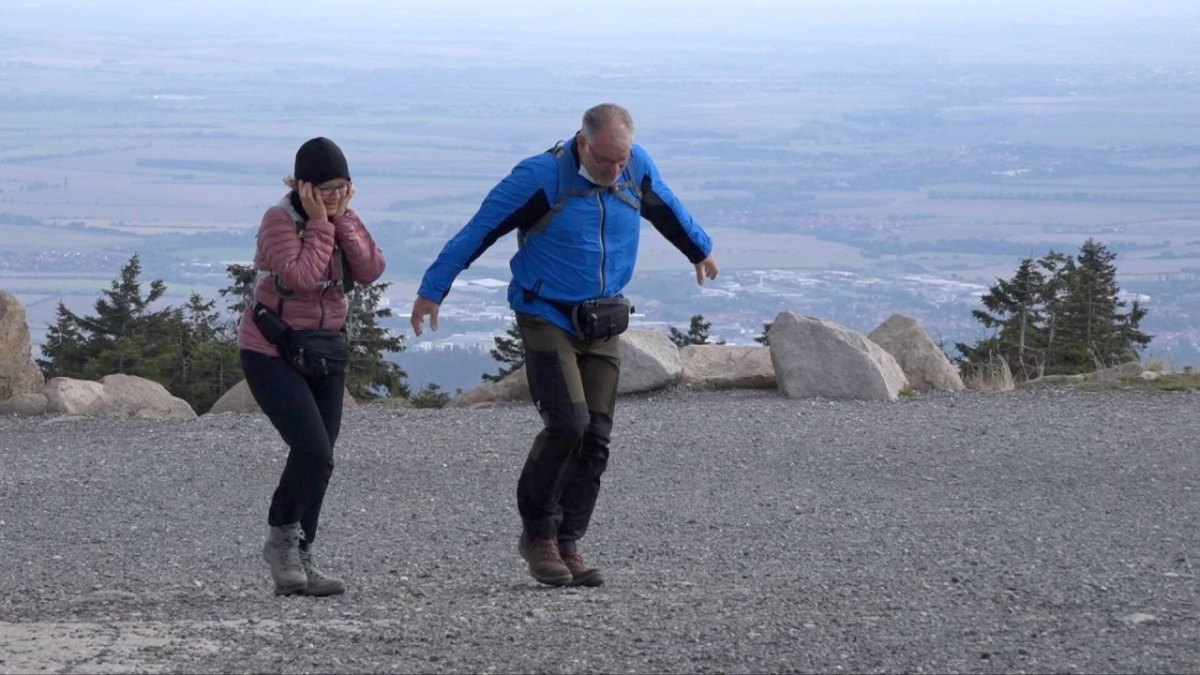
[{"x": 302, "y": 264}]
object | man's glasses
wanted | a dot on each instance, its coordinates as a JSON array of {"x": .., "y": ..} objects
[
  {"x": 327, "y": 191},
  {"x": 604, "y": 161}
]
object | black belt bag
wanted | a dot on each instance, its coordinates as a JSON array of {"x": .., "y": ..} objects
[
  {"x": 310, "y": 352},
  {"x": 601, "y": 318}
]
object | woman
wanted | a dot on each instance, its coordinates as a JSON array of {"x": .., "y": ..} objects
[{"x": 311, "y": 248}]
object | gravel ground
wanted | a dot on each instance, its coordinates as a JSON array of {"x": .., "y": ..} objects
[{"x": 1037, "y": 531}]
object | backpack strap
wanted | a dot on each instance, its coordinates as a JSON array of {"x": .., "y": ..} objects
[
  {"x": 567, "y": 170},
  {"x": 341, "y": 267}
]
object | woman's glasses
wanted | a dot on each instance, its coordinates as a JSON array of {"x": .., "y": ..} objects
[{"x": 330, "y": 190}]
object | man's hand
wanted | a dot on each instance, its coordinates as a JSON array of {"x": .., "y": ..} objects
[
  {"x": 311, "y": 201},
  {"x": 421, "y": 308},
  {"x": 706, "y": 268}
]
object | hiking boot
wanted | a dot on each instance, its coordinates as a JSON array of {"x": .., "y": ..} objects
[
  {"x": 545, "y": 564},
  {"x": 282, "y": 553},
  {"x": 319, "y": 583},
  {"x": 581, "y": 574}
]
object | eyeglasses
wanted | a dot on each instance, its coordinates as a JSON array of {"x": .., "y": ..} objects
[
  {"x": 333, "y": 189},
  {"x": 604, "y": 161}
]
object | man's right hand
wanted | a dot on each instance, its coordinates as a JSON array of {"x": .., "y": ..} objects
[{"x": 421, "y": 308}]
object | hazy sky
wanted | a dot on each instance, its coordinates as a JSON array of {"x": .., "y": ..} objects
[{"x": 605, "y": 23}]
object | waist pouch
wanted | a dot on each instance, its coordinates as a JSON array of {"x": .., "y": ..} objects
[
  {"x": 310, "y": 352},
  {"x": 602, "y": 317}
]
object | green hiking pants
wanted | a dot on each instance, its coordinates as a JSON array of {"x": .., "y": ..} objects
[{"x": 573, "y": 383}]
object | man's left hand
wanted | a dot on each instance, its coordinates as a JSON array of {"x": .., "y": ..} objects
[{"x": 706, "y": 268}]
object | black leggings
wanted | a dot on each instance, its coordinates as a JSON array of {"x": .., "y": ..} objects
[{"x": 307, "y": 412}]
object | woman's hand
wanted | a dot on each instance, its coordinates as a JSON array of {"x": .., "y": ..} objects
[
  {"x": 343, "y": 202},
  {"x": 310, "y": 199}
]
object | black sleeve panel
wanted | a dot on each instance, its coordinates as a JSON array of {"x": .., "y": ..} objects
[
  {"x": 522, "y": 218},
  {"x": 665, "y": 220}
]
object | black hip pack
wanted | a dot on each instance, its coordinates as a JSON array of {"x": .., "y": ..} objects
[
  {"x": 312, "y": 353},
  {"x": 601, "y": 318}
]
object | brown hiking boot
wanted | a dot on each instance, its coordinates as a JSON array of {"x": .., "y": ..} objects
[
  {"x": 581, "y": 574},
  {"x": 545, "y": 564}
]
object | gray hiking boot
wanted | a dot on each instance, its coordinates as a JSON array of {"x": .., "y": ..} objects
[
  {"x": 319, "y": 583},
  {"x": 545, "y": 564},
  {"x": 282, "y": 553}
]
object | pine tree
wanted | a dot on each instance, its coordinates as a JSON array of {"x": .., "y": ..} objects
[
  {"x": 1014, "y": 315},
  {"x": 207, "y": 361},
  {"x": 1059, "y": 314},
  {"x": 697, "y": 332},
  {"x": 1094, "y": 331},
  {"x": 188, "y": 350},
  {"x": 1056, "y": 267},
  {"x": 65, "y": 350},
  {"x": 370, "y": 375},
  {"x": 123, "y": 336},
  {"x": 509, "y": 352},
  {"x": 763, "y": 339},
  {"x": 240, "y": 293},
  {"x": 431, "y": 396}
]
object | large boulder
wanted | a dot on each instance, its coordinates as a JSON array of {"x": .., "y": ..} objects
[
  {"x": 133, "y": 396},
  {"x": 69, "y": 396},
  {"x": 239, "y": 400},
  {"x": 19, "y": 374},
  {"x": 649, "y": 360},
  {"x": 114, "y": 395},
  {"x": 923, "y": 362},
  {"x": 24, "y": 405},
  {"x": 513, "y": 387},
  {"x": 727, "y": 366},
  {"x": 820, "y": 359}
]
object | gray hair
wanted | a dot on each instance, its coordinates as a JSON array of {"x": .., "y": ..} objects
[{"x": 600, "y": 116}]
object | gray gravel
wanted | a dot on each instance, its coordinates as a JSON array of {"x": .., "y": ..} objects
[{"x": 1047, "y": 530}]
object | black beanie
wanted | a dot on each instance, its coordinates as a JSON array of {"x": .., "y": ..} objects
[{"x": 320, "y": 160}]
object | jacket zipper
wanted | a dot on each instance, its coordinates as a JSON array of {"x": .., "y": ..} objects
[
  {"x": 321, "y": 304},
  {"x": 603, "y": 249}
]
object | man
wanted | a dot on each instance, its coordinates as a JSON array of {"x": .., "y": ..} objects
[{"x": 577, "y": 211}]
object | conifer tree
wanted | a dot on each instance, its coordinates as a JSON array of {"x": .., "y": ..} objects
[
  {"x": 65, "y": 350},
  {"x": 509, "y": 352},
  {"x": 1056, "y": 268},
  {"x": 763, "y": 339},
  {"x": 1059, "y": 314},
  {"x": 431, "y": 396},
  {"x": 240, "y": 293},
  {"x": 1094, "y": 331},
  {"x": 697, "y": 332},
  {"x": 123, "y": 336},
  {"x": 207, "y": 362},
  {"x": 370, "y": 375},
  {"x": 1013, "y": 313}
]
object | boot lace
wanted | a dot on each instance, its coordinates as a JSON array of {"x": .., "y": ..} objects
[
  {"x": 289, "y": 552},
  {"x": 546, "y": 548},
  {"x": 310, "y": 567}
]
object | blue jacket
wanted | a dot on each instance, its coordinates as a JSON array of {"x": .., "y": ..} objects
[{"x": 577, "y": 241}]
